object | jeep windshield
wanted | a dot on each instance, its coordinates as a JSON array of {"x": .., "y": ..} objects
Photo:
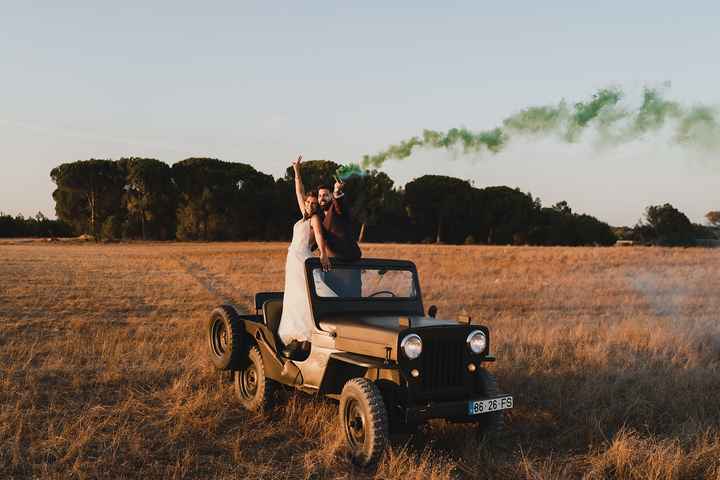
[
  {"x": 363, "y": 282},
  {"x": 369, "y": 286}
]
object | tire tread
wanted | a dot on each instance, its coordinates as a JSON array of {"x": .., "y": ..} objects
[
  {"x": 378, "y": 416},
  {"x": 266, "y": 388},
  {"x": 236, "y": 333},
  {"x": 490, "y": 423}
]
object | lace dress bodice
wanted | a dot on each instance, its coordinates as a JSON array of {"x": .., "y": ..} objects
[{"x": 301, "y": 239}]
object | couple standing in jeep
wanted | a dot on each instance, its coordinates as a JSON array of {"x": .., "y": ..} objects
[
  {"x": 325, "y": 223},
  {"x": 391, "y": 365}
]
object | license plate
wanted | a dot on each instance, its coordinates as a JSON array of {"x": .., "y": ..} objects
[{"x": 476, "y": 407}]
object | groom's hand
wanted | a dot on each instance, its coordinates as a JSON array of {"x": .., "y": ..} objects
[{"x": 338, "y": 187}]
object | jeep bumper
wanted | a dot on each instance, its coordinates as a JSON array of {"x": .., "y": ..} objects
[{"x": 468, "y": 410}]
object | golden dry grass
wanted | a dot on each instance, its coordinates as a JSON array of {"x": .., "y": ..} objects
[{"x": 613, "y": 356}]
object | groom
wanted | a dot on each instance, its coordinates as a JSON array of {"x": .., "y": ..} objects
[{"x": 340, "y": 238}]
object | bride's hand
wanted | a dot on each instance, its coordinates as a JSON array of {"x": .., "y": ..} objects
[
  {"x": 325, "y": 262},
  {"x": 296, "y": 163}
]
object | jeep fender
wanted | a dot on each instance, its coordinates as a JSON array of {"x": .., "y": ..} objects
[
  {"x": 276, "y": 368},
  {"x": 343, "y": 366}
]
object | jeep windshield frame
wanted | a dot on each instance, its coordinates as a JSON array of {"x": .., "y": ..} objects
[{"x": 324, "y": 306}]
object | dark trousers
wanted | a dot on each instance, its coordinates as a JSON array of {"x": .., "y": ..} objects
[{"x": 345, "y": 282}]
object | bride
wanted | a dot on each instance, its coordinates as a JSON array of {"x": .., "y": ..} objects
[{"x": 296, "y": 323}]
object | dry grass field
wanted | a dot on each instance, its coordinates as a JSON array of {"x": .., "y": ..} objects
[{"x": 612, "y": 354}]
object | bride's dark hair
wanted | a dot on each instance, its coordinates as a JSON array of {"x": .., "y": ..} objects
[{"x": 310, "y": 194}]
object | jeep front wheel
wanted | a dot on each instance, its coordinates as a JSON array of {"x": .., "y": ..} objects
[
  {"x": 364, "y": 420},
  {"x": 252, "y": 388}
]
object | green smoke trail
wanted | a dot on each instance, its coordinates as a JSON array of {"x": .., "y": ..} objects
[
  {"x": 602, "y": 108},
  {"x": 344, "y": 172},
  {"x": 602, "y": 112},
  {"x": 491, "y": 139},
  {"x": 654, "y": 112},
  {"x": 700, "y": 126},
  {"x": 586, "y": 112},
  {"x": 537, "y": 120}
]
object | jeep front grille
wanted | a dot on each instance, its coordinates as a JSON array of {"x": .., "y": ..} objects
[{"x": 442, "y": 364}]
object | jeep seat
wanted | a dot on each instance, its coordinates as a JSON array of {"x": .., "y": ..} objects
[
  {"x": 272, "y": 312},
  {"x": 262, "y": 297}
]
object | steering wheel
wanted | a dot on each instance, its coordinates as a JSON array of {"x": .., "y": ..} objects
[{"x": 381, "y": 292}]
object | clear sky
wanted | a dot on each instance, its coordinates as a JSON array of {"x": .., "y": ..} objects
[{"x": 259, "y": 82}]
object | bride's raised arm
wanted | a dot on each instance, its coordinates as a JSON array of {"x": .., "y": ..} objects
[{"x": 299, "y": 189}]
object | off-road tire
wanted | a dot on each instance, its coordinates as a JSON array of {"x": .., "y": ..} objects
[
  {"x": 253, "y": 389},
  {"x": 364, "y": 421},
  {"x": 226, "y": 338},
  {"x": 489, "y": 423}
]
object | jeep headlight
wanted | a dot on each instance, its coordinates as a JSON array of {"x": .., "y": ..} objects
[
  {"x": 411, "y": 346},
  {"x": 477, "y": 341}
]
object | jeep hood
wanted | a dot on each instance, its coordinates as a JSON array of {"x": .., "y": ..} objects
[{"x": 374, "y": 336}]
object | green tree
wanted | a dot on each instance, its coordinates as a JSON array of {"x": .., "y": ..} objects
[
  {"x": 439, "y": 203},
  {"x": 37, "y": 226},
  {"x": 92, "y": 188},
  {"x": 221, "y": 200},
  {"x": 503, "y": 215},
  {"x": 111, "y": 228},
  {"x": 368, "y": 196},
  {"x": 72, "y": 209},
  {"x": 558, "y": 225},
  {"x": 591, "y": 231},
  {"x": 562, "y": 207},
  {"x": 671, "y": 226},
  {"x": 150, "y": 197},
  {"x": 393, "y": 223},
  {"x": 315, "y": 173}
]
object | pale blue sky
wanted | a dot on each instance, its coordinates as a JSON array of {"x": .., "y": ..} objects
[{"x": 258, "y": 82}]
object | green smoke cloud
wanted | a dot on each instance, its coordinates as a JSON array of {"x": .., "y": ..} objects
[
  {"x": 603, "y": 112},
  {"x": 344, "y": 172},
  {"x": 700, "y": 126},
  {"x": 654, "y": 112}
]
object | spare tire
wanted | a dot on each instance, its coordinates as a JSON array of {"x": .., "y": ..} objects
[{"x": 226, "y": 338}]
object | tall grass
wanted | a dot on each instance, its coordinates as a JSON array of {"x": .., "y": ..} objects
[{"x": 613, "y": 356}]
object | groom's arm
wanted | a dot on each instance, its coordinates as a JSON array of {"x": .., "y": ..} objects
[
  {"x": 339, "y": 200},
  {"x": 339, "y": 205}
]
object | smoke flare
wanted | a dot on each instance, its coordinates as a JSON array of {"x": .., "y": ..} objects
[
  {"x": 603, "y": 112},
  {"x": 346, "y": 171}
]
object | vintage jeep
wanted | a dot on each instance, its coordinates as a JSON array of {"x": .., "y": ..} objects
[{"x": 373, "y": 349}]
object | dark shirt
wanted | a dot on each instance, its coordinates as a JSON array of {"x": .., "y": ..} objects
[{"x": 339, "y": 232}]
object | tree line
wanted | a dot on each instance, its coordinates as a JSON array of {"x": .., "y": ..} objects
[
  {"x": 668, "y": 226},
  {"x": 209, "y": 199},
  {"x": 37, "y": 226}
]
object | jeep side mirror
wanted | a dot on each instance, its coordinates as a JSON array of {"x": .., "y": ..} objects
[{"x": 432, "y": 311}]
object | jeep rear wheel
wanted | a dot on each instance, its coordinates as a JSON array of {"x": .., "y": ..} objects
[
  {"x": 364, "y": 420},
  {"x": 225, "y": 333},
  {"x": 489, "y": 423},
  {"x": 253, "y": 389}
]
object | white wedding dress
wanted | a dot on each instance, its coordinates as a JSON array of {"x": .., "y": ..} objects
[{"x": 297, "y": 322}]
